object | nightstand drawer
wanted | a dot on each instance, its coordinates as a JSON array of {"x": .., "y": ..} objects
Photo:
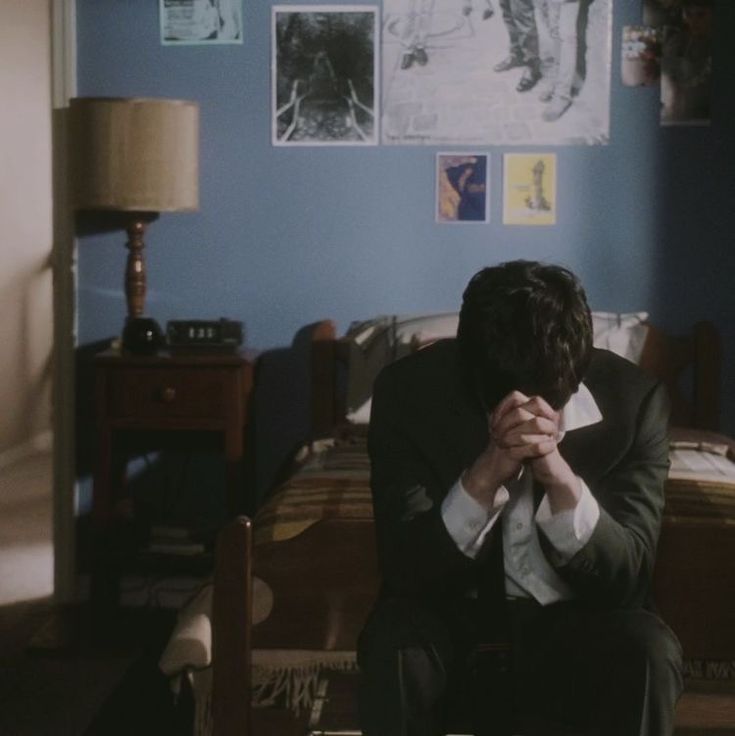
[{"x": 164, "y": 393}]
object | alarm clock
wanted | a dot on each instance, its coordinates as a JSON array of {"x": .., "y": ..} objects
[{"x": 203, "y": 334}]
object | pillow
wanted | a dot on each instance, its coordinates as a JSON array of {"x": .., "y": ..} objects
[
  {"x": 375, "y": 343},
  {"x": 379, "y": 341}
]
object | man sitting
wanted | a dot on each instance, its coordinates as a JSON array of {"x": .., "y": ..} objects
[{"x": 517, "y": 478}]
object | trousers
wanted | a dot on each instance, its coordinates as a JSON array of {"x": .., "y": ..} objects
[
  {"x": 570, "y": 670},
  {"x": 518, "y": 16}
]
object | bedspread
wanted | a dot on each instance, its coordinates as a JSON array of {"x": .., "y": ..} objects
[{"x": 333, "y": 483}]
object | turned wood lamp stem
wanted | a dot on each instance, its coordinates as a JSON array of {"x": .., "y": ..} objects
[{"x": 135, "y": 279}]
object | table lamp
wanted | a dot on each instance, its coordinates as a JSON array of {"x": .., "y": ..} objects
[{"x": 138, "y": 156}]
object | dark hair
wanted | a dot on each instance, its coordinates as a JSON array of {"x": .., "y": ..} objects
[{"x": 527, "y": 326}]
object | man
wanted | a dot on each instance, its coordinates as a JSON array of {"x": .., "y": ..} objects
[
  {"x": 518, "y": 16},
  {"x": 517, "y": 478}
]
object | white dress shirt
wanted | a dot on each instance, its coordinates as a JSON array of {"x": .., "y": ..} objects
[{"x": 528, "y": 573}]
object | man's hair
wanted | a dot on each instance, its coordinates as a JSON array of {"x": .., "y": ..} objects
[{"x": 527, "y": 326}]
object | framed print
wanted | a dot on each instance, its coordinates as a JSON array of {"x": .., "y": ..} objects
[
  {"x": 324, "y": 75},
  {"x": 462, "y": 191},
  {"x": 529, "y": 189},
  {"x": 640, "y": 56},
  {"x": 469, "y": 74},
  {"x": 200, "y": 21},
  {"x": 686, "y": 66}
]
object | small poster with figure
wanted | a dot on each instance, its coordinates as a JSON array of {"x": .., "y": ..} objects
[
  {"x": 200, "y": 21},
  {"x": 640, "y": 57},
  {"x": 529, "y": 189},
  {"x": 324, "y": 75},
  {"x": 462, "y": 191}
]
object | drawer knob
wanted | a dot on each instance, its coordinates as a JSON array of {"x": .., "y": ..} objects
[{"x": 168, "y": 394}]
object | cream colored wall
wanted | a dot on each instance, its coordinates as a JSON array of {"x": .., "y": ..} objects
[{"x": 25, "y": 224}]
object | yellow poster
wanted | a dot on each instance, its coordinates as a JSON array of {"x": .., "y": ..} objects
[{"x": 529, "y": 189}]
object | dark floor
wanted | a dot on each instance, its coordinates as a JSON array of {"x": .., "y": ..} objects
[{"x": 62, "y": 676}]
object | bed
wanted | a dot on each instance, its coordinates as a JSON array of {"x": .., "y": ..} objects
[{"x": 292, "y": 588}]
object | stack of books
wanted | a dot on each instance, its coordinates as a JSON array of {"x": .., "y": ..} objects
[{"x": 175, "y": 540}]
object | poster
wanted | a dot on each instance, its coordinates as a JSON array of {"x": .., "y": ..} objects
[
  {"x": 462, "y": 191},
  {"x": 529, "y": 189},
  {"x": 452, "y": 77},
  {"x": 324, "y": 75},
  {"x": 640, "y": 57},
  {"x": 686, "y": 66},
  {"x": 200, "y": 21}
]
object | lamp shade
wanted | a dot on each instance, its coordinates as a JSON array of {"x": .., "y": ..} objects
[{"x": 134, "y": 154}]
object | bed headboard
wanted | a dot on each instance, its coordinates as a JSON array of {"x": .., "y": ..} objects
[{"x": 689, "y": 365}]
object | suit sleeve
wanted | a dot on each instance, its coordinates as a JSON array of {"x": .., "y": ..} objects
[
  {"x": 615, "y": 566},
  {"x": 416, "y": 554}
]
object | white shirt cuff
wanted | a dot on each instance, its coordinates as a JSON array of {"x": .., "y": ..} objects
[
  {"x": 568, "y": 531},
  {"x": 467, "y": 520}
]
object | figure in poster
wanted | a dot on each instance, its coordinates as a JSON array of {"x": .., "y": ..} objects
[
  {"x": 537, "y": 199},
  {"x": 229, "y": 20},
  {"x": 462, "y": 188},
  {"x": 518, "y": 16},
  {"x": 563, "y": 35},
  {"x": 487, "y": 12},
  {"x": 416, "y": 32},
  {"x": 686, "y": 66},
  {"x": 529, "y": 189},
  {"x": 206, "y": 18}
]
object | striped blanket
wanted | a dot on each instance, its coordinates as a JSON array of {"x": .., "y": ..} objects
[
  {"x": 334, "y": 482},
  {"x": 701, "y": 485}
]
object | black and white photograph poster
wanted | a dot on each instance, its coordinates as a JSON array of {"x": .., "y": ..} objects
[
  {"x": 324, "y": 75},
  {"x": 464, "y": 72},
  {"x": 200, "y": 21},
  {"x": 462, "y": 191}
]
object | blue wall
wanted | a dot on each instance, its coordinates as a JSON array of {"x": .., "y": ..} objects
[{"x": 286, "y": 236}]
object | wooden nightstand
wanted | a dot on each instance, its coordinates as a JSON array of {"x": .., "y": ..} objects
[{"x": 176, "y": 393}]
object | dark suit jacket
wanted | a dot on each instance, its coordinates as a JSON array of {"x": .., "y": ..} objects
[{"x": 425, "y": 430}]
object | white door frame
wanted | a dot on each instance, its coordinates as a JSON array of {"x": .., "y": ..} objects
[{"x": 64, "y": 84}]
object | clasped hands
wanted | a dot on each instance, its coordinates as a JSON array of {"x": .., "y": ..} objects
[{"x": 524, "y": 431}]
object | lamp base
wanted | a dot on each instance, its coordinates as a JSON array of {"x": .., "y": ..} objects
[{"x": 142, "y": 336}]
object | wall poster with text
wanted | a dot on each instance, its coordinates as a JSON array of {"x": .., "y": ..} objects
[
  {"x": 529, "y": 189},
  {"x": 324, "y": 75},
  {"x": 462, "y": 72},
  {"x": 200, "y": 21},
  {"x": 462, "y": 191}
]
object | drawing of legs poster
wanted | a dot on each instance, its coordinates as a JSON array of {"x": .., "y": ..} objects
[{"x": 496, "y": 71}]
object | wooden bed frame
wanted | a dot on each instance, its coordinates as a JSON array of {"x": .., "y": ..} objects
[{"x": 328, "y": 602}]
